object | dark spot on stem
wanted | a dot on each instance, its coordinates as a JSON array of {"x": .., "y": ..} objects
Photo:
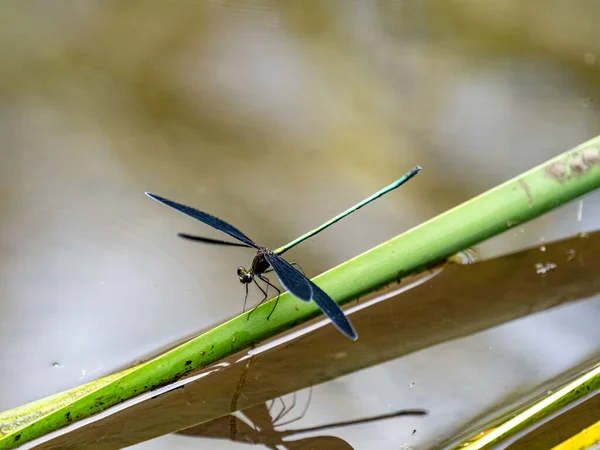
[{"x": 525, "y": 187}]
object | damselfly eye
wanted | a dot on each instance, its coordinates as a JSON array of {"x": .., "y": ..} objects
[{"x": 244, "y": 276}]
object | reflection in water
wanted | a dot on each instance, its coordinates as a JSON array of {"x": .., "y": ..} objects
[{"x": 258, "y": 426}]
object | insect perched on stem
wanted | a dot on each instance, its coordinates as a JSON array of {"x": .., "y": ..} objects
[{"x": 291, "y": 279}]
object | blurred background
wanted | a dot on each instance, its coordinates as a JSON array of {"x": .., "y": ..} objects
[{"x": 275, "y": 116}]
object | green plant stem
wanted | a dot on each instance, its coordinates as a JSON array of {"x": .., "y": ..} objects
[{"x": 523, "y": 198}]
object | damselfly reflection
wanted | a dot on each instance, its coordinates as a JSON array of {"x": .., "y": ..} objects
[{"x": 261, "y": 425}]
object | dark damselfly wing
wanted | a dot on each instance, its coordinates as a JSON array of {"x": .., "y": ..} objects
[
  {"x": 333, "y": 311},
  {"x": 291, "y": 279},
  {"x": 206, "y": 240},
  {"x": 206, "y": 218}
]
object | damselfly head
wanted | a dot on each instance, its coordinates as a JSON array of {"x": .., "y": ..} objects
[{"x": 244, "y": 276}]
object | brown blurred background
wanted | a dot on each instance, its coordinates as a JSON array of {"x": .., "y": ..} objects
[{"x": 274, "y": 116}]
